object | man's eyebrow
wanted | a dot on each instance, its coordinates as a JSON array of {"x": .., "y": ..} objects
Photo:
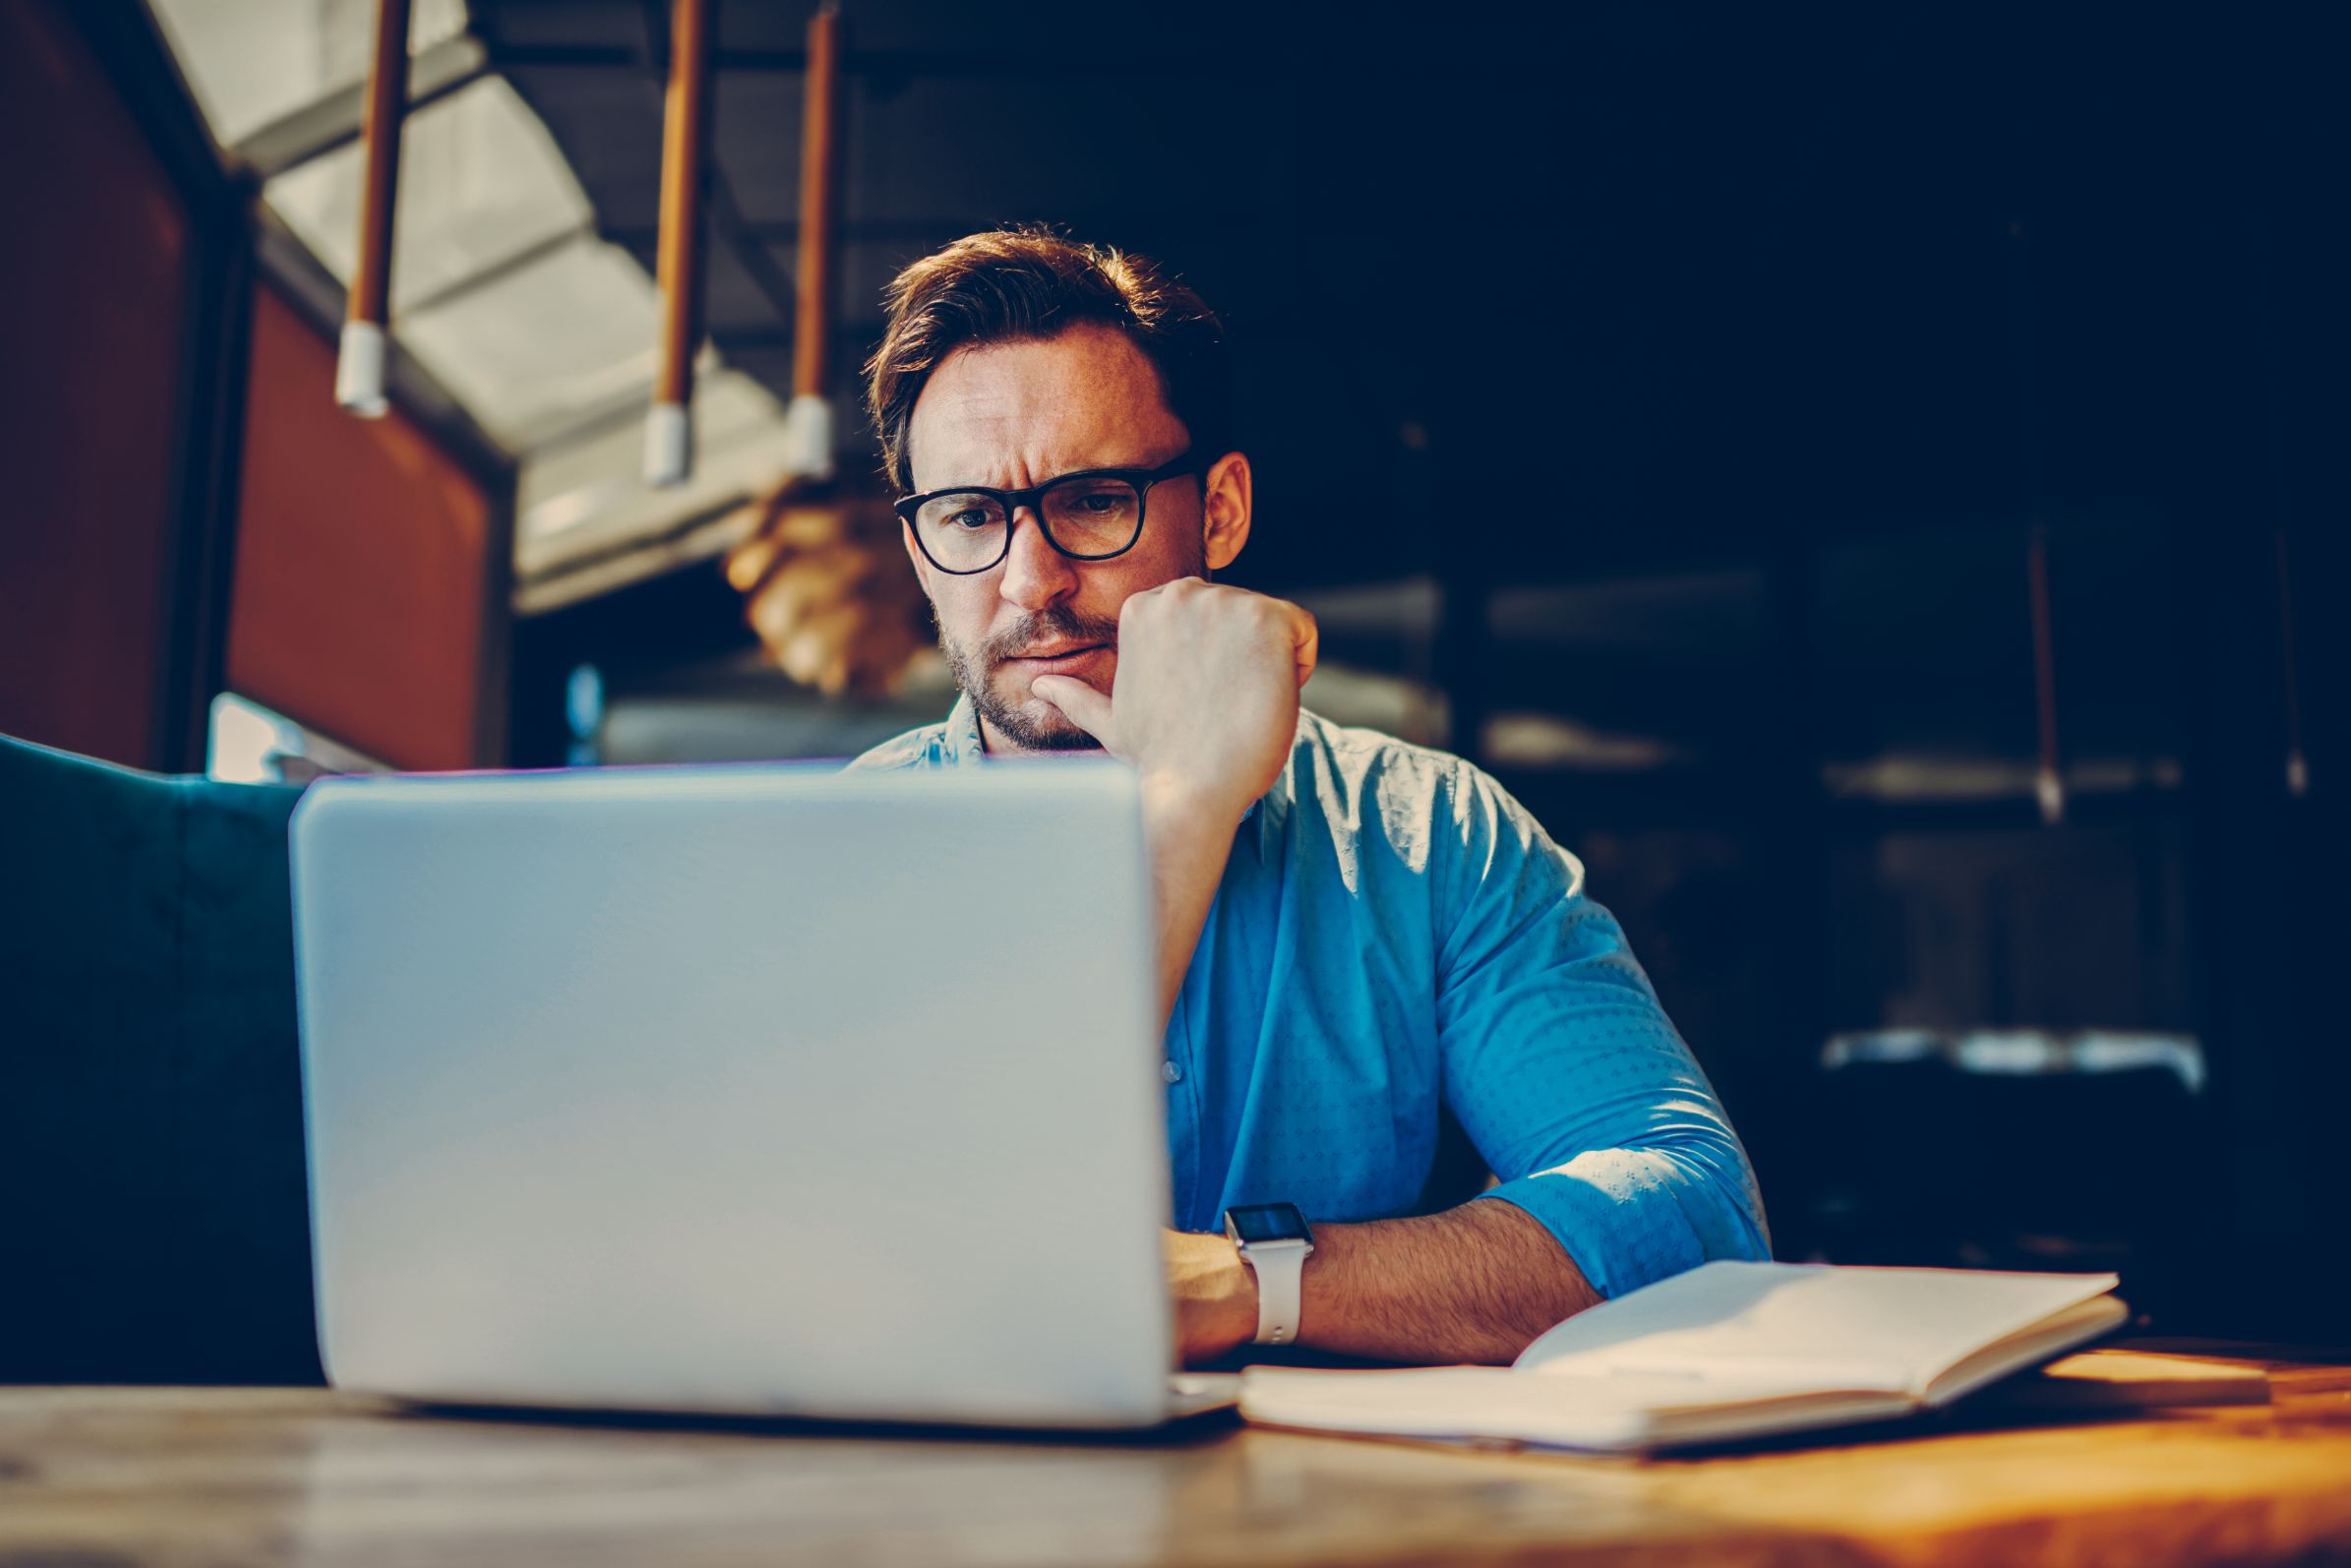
[{"x": 1132, "y": 465}]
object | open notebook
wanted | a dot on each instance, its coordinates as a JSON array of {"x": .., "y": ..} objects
[{"x": 1725, "y": 1351}]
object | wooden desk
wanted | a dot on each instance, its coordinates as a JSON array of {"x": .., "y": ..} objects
[{"x": 141, "y": 1475}]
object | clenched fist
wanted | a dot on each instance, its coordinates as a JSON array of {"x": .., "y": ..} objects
[{"x": 1204, "y": 705}]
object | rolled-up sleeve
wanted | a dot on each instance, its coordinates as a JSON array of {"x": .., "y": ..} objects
[{"x": 1563, "y": 1068}]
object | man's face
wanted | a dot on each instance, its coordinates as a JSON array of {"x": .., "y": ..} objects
[{"x": 1015, "y": 414}]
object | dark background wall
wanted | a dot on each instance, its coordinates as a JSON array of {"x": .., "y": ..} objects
[
  {"x": 1707, "y": 371},
  {"x": 1701, "y": 373}
]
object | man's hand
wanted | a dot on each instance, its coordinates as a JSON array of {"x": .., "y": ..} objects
[
  {"x": 1204, "y": 704},
  {"x": 1204, "y": 707},
  {"x": 1215, "y": 1295}
]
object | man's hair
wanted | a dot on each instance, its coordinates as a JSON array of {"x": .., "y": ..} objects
[{"x": 1030, "y": 283}]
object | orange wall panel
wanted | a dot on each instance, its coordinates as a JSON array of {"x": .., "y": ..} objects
[
  {"x": 362, "y": 566},
  {"x": 94, "y": 254}
]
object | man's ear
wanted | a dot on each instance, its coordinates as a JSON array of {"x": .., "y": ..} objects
[{"x": 1224, "y": 509}]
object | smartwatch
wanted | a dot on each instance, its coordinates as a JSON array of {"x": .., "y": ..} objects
[{"x": 1275, "y": 1244}]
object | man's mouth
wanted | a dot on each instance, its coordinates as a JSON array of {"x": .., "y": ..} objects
[{"x": 1048, "y": 659}]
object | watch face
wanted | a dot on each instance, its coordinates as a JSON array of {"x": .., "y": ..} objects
[{"x": 1268, "y": 1222}]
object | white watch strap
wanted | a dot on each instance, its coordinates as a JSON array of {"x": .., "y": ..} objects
[{"x": 1279, "y": 1267}]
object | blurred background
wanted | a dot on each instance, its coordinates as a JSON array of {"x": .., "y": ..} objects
[{"x": 1871, "y": 481}]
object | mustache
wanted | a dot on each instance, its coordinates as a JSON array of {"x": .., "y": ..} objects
[{"x": 1054, "y": 624}]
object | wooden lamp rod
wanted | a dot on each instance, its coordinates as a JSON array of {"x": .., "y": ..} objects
[
  {"x": 668, "y": 431},
  {"x": 359, "y": 363},
  {"x": 808, "y": 422}
]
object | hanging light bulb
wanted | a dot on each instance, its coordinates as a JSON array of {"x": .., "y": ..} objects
[
  {"x": 360, "y": 355},
  {"x": 678, "y": 266}
]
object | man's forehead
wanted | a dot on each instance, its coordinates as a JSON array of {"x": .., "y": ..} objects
[{"x": 1025, "y": 410}]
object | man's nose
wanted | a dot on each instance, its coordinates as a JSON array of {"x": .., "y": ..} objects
[{"x": 1035, "y": 574}]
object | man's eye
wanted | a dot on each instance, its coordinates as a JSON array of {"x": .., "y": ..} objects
[{"x": 970, "y": 517}]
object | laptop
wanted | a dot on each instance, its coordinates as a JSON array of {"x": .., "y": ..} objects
[{"x": 742, "y": 1090}]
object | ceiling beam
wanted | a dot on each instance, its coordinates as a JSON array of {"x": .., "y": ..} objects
[
  {"x": 325, "y": 124},
  {"x": 885, "y": 64}
]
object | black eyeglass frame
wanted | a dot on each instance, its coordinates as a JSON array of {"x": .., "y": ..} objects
[{"x": 1033, "y": 497}]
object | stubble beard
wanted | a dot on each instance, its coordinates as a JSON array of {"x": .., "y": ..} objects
[{"x": 1031, "y": 723}]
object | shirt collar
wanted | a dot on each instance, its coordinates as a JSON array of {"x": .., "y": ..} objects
[
  {"x": 959, "y": 742},
  {"x": 960, "y": 745}
]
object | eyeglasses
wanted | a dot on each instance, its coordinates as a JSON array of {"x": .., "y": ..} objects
[{"x": 1090, "y": 515}]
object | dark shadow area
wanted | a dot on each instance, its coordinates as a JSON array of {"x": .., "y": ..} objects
[{"x": 1193, "y": 1431}]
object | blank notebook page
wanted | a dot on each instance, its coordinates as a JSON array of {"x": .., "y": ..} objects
[{"x": 1767, "y": 1324}]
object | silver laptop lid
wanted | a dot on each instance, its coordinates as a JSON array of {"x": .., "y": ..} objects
[{"x": 737, "y": 1088}]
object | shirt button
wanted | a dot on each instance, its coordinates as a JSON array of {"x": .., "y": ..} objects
[{"x": 1171, "y": 1072}]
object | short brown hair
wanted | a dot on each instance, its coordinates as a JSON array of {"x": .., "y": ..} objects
[{"x": 1032, "y": 283}]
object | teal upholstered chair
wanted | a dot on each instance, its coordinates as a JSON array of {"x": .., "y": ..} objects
[{"x": 153, "y": 1221}]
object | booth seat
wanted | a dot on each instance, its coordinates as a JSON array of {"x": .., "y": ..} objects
[{"x": 153, "y": 1221}]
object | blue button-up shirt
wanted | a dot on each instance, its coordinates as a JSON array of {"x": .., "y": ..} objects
[{"x": 1395, "y": 935}]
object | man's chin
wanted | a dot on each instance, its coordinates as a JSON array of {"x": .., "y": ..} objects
[{"x": 1036, "y": 725}]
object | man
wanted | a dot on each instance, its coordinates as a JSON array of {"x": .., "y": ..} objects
[{"x": 1353, "y": 934}]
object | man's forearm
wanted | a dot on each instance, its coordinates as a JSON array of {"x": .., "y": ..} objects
[
  {"x": 1188, "y": 838},
  {"x": 1472, "y": 1283},
  {"x": 1478, "y": 1283}
]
